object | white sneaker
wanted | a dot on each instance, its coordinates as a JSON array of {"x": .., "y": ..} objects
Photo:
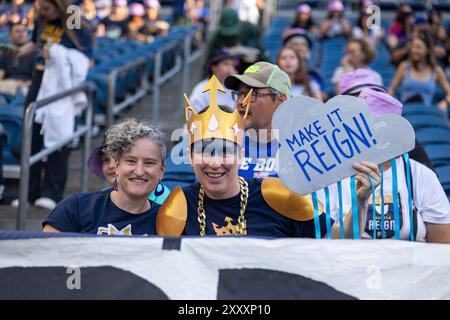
[
  {"x": 15, "y": 203},
  {"x": 45, "y": 203}
]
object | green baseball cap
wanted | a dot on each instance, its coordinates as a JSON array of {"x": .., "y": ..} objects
[
  {"x": 228, "y": 24},
  {"x": 261, "y": 75}
]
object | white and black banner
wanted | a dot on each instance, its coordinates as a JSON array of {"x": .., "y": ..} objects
[{"x": 221, "y": 268}]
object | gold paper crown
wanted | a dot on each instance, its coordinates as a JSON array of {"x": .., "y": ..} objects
[{"x": 213, "y": 122}]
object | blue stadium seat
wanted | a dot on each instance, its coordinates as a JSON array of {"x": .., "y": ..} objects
[
  {"x": 410, "y": 109},
  {"x": 12, "y": 119},
  {"x": 420, "y": 122},
  {"x": 433, "y": 136},
  {"x": 438, "y": 154}
]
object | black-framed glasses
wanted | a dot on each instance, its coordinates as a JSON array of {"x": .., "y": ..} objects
[{"x": 236, "y": 95}]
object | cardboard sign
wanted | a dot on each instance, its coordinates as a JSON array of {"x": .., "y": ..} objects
[{"x": 320, "y": 142}]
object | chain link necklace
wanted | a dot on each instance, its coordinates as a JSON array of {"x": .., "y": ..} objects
[{"x": 241, "y": 227}]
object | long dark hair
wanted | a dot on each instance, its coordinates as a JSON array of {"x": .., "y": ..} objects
[
  {"x": 61, "y": 6},
  {"x": 301, "y": 76},
  {"x": 430, "y": 59}
]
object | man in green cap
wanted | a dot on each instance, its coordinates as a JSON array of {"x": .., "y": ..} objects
[
  {"x": 242, "y": 38},
  {"x": 271, "y": 86}
]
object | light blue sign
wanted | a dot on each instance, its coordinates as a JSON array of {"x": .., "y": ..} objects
[{"x": 320, "y": 142}]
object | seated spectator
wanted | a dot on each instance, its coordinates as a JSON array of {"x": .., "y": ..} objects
[
  {"x": 301, "y": 42},
  {"x": 439, "y": 36},
  {"x": 16, "y": 72},
  {"x": 270, "y": 88},
  {"x": 139, "y": 151},
  {"x": 291, "y": 63},
  {"x": 335, "y": 25},
  {"x": 402, "y": 27},
  {"x": 431, "y": 209},
  {"x": 89, "y": 14},
  {"x": 153, "y": 26},
  {"x": 359, "y": 55},
  {"x": 115, "y": 25},
  {"x": 136, "y": 22},
  {"x": 371, "y": 33},
  {"x": 304, "y": 20},
  {"x": 103, "y": 166},
  {"x": 241, "y": 37},
  {"x": 14, "y": 13},
  {"x": 221, "y": 64},
  {"x": 103, "y": 8},
  {"x": 418, "y": 76},
  {"x": 353, "y": 83}
]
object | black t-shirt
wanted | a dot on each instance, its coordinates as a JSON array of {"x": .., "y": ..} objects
[
  {"x": 19, "y": 69},
  {"x": 115, "y": 28},
  {"x": 95, "y": 213},
  {"x": 262, "y": 220}
]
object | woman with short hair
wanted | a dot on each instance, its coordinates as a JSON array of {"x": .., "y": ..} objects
[{"x": 139, "y": 152}]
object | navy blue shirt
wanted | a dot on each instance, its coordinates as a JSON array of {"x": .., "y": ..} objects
[
  {"x": 259, "y": 159},
  {"x": 262, "y": 220},
  {"x": 53, "y": 31},
  {"x": 95, "y": 213}
]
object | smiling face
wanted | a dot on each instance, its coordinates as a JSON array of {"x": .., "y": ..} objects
[
  {"x": 216, "y": 163},
  {"x": 139, "y": 169}
]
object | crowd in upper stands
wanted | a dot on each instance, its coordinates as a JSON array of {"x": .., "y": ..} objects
[{"x": 407, "y": 57}]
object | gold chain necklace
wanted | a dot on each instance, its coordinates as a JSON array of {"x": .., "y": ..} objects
[{"x": 241, "y": 227}]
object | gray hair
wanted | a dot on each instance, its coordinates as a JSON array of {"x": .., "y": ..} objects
[{"x": 121, "y": 136}]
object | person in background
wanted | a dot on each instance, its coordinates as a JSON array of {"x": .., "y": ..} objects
[
  {"x": 402, "y": 27},
  {"x": 16, "y": 72},
  {"x": 154, "y": 26},
  {"x": 242, "y": 38},
  {"x": 359, "y": 55},
  {"x": 354, "y": 82},
  {"x": 221, "y": 64},
  {"x": 89, "y": 14},
  {"x": 115, "y": 25},
  {"x": 431, "y": 211},
  {"x": 304, "y": 20},
  {"x": 291, "y": 63},
  {"x": 139, "y": 153},
  {"x": 270, "y": 87},
  {"x": 335, "y": 25},
  {"x": 371, "y": 33},
  {"x": 13, "y": 14},
  {"x": 51, "y": 27},
  {"x": 417, "y": 77},
  {"x": 136, "y": 22}
]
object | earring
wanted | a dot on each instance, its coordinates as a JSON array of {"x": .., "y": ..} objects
[
  {"x": 159, "y": 193},
  {"x": 115, "y": 185}
]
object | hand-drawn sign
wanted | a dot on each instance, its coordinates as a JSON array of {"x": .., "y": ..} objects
[{"x": 320, "y": 142}]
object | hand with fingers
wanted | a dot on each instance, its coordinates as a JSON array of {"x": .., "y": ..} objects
[{"x": 366, "y": 171}]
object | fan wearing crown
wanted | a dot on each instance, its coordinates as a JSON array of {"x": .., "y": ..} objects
[{"x": 222, "y": 203}]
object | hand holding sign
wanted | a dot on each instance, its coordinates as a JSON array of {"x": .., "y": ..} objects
[{"x": 320, "y": 142}]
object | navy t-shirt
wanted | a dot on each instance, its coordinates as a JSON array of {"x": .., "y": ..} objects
[
  {"x": 94, "y": 212},
  {"x": 259, "y": 159},
  {"x": 53, "y": 31},
  {"x": 222, "y": 216}
]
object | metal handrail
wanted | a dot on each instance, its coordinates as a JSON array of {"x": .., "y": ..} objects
[
  {"x": 189, "y": 57},
  {"x": 159, "y": 79},
  {"x": 26, "y": 160},
  {"x": 112, "y": 108}
]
